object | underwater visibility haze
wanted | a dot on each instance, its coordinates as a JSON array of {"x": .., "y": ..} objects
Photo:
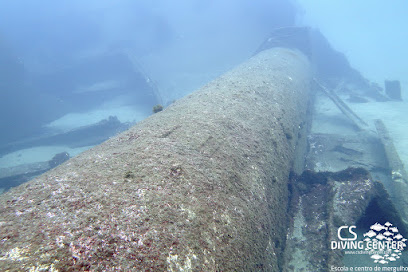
[{"x": 180, "y": 135}]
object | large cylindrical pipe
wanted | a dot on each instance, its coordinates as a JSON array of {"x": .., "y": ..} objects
[{"x": 201, "y": 186}]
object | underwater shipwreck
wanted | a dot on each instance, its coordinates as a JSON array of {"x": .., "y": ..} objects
[{"x": 233, "y": 177}]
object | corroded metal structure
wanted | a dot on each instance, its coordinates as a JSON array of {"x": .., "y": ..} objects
[{"x": 200, "y": 186}]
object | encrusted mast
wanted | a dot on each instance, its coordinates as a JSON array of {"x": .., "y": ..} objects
[{"x": 200, "y": 186}]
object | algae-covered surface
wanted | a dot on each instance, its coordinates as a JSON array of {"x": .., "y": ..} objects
[{"x": 200, "y": 186}]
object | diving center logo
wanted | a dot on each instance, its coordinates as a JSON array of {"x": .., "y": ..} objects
[{"x": 383, "y": 242}]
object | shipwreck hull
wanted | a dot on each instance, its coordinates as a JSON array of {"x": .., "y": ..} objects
[{"x": 201, "y": 186}]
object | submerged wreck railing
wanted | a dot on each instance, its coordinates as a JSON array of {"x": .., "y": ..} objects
[
  {"x": 201, "y": 186},
  {"x": 349, "y": 113}
]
